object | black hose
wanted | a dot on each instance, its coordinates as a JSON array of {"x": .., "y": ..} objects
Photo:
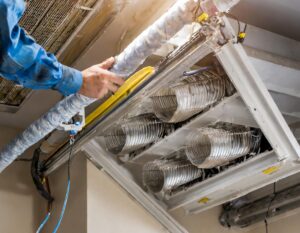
[{"x": 38, "y": 177}]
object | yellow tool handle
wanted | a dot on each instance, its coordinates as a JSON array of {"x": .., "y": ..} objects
[{"x": 129, "y": 85}]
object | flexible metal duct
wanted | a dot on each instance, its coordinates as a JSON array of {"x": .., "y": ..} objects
[
  {"x": 189, "y": 97},
  {"x": 210, "y": 147},
  {"x": 166, "y": 175},
  {"x": 134, "y": 134},
  {"x": 183, "y": 12},
  {"x": 246, "y": 214}
]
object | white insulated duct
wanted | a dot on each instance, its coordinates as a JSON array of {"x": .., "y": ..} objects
[{"x": 182, "y": 13}]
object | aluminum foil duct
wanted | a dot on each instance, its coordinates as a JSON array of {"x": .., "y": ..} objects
[
  {"x": 188, "y": 97},
  {"x": 212, "y": 147},
  {"x": 183, "y": 12},
  {"x": 134, "y": 133},
  {"x": 165, "y": 175}
]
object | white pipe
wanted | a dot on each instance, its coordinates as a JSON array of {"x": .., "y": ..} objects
[{"x": 182, "y": 13}]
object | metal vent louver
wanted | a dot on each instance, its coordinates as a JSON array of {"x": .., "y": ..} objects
[
  {"x": 134, "y": 133},
  {"x": 212, "y": 147},
  {"x": 188, "y": 97},
  {"x": 51, "y": 23},
  {"x": 165, "y": 175}
]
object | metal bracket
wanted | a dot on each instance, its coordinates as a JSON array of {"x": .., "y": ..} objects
[
  {"x": 75, "y": 125},
  {"x": 99, "y": 156},
  {"x": 258, "y": 99}
]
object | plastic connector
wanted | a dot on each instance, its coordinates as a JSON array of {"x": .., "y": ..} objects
[
  {"x": 203, "y": 17},
  {"x": 242, "y": 37}
]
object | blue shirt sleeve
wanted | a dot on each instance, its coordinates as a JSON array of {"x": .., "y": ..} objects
[{"x": 25, "y": 62}]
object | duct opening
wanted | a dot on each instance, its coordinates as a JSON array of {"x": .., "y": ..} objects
[
  {"x": 135, "y": 133},
  {"x": 188, "y": 97},
  {"x": 244, "y": 144},
  {"x": 212, "y": 147},
  {"x": 165, "y": 175}
]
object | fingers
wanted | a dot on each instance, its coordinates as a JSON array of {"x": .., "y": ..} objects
[
  {"x": 117, "y": 80},
  {"x": 110, "y": 76},
  {"x": 107, "y": 64},
  {"x": 112, "y": 87}
]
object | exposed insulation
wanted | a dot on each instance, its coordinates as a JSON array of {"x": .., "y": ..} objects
[{"x": 61, "y": 112}]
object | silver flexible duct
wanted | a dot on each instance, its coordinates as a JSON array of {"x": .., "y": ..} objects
[
  {"x": 188, "y": 97},
  {"x": 183, "y": 12},
  {"x": 210, "y": 147},
  {"x": 165, "y": 175},
  {"x": 134, "y": 133}
]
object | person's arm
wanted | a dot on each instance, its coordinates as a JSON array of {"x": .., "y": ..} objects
[{"x": 25, "y": 62}]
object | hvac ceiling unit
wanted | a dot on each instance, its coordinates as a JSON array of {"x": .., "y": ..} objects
[
  {"x": 215, "y": 121},
  {"x": 50, "y": 23}
]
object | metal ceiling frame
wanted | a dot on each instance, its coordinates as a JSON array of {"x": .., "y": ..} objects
[
  {"x": 123, "y": 177},
  {"x": 256, "y": 96},
  {"x": 231, "y": 184}
]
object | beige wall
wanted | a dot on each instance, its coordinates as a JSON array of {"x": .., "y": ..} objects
[
  {"x": 17, "y": 194},
  {"x": 75, "y": 217},
  {"x": 287, "y": 224},
  {"x": 111, "y": 210},
  {"x": 206, "y": 222}
]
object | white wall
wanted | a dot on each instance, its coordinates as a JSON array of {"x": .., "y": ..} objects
[{"x": 111, "y": 210}]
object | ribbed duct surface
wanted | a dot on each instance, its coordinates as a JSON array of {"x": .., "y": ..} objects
[
  {"x": 50, "y": 23},
  {"x": 134, "y": 133},
  {"x": 210, "y": 147},
  {"x": 188, "y": 97},
  {"x": 164, "y": 175}
]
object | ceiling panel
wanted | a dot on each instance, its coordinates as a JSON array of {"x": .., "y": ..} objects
[{"x": 279, "y": 16}]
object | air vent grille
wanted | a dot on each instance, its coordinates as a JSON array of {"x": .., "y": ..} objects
[{"x": 51, "y": 23}]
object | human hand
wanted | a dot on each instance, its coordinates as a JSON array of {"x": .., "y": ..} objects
[{"x": 98, "y": 80}]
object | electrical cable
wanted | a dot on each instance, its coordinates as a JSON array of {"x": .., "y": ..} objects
[
  {"x": 267, "y": 214},
  {"x": 241, "y": 35},
  {"x": 49, "y": 209},
  {"x": 68, "y": 188},
  {"x": 38, "y": 176},
  {"x": 43, "y": 223}
]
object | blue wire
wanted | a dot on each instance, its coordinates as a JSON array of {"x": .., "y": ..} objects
[
  {"x": 64, "y": 207},
  {"x": 43, "y": 223}
]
